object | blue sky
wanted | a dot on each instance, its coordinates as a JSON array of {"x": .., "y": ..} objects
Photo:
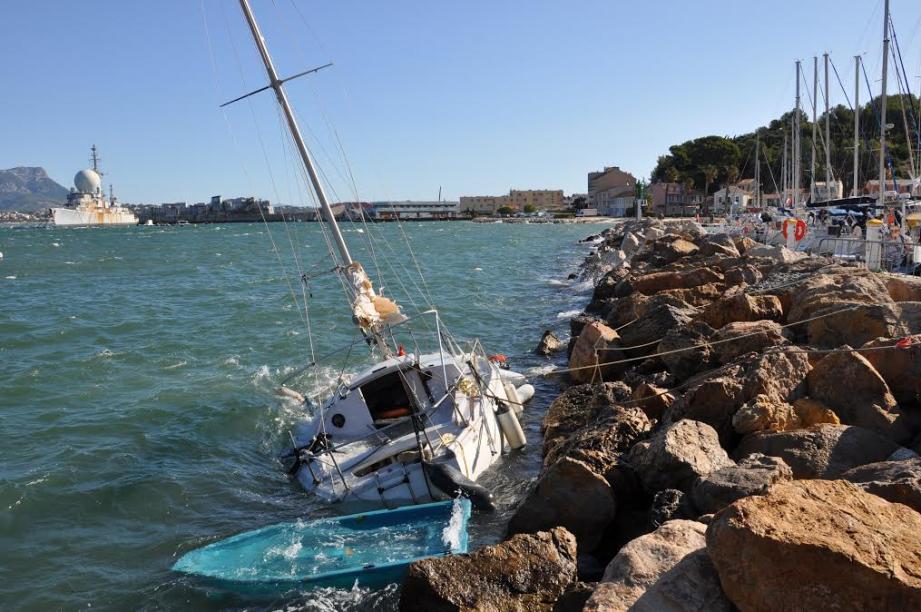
[{"x": 477, "y": 97}]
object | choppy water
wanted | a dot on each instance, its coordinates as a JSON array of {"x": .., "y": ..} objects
[{"x": 137, "y": 417}]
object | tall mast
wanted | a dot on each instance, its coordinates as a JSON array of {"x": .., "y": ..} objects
[
  {"x": 815, "y": 99},
  {"x": 94, "y": 157},
  {"x": 276, "y": 85},
  {"x": 882, "y": 110},
  {"x": 797, "y": 132},
  {"x": 757, "y": 169},
  {"x": 827, "y": 136},
  {"x": 856, "y": 122},
  {"x": 783, "y": 171}
]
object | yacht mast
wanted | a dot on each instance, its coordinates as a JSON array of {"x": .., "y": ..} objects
[
  {"x": 757, "y": 169},
  {"x": 276, "y": 84},
  {"x": 882, "y": 109},
  {"x": 827, "y": 136},
  {"x": 856, "y": 122},
  {"x": 797, "y": 147},
  {"x": 815, "y": 122},
  {"x": 784, "y": 171}
]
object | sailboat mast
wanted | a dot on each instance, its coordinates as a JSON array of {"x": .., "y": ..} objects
[
  {"x": 797, "y": 133},
  {"x": 827, "y": 136},
  {"x": 882, "y": 110},
  {"x": 757, "y": 169},
  {"x": 856, "y": 122},
  {"x": 815, "y": 121},
  {"x": 783, "y": 169},
  {"x": 276, "y": 85}
]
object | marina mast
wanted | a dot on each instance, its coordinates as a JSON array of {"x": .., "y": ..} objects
[
  {"x": 815, "y": 121},
  {"x": 827, "y": 136},
  {"x": 797, "y": 146},
  {"x": 856, "y": 123},
  {"x": 882, "y": 109}
]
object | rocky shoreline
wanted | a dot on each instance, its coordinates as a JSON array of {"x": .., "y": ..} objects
[{"x": 742, "y": 432}]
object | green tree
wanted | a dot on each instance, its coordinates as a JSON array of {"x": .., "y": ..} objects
[
  {"x": 710, "y": 172},
  {"x": 530, "y": 208},
  {"x": 506, "y": 210}
]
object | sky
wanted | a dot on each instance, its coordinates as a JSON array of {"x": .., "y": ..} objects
[{"x": 473, "y": 98}]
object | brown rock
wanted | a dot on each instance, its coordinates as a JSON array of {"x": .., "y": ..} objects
[
  {"x": 780, "y": 374},
  {"x": 601, "y": 442},
  {"x": 655, "y": 282},
  {"x": 675, "y": 456},
  {"x": 698, "y": 296},
  {"x": 744, "y": 243},
  {"x": 742, "y": 307},
  {"x": 849, "y": 384},
  {"x": 579, "y": 406},
  {"x": 522, "y": 574},
  {"x": 818, "y": 545},
  {"x": 550, "y": 503},
  {"x": 895, "y": 481},
  {"x": 746, "y": 274},
  {"x": 855, "y": 324},
  {"x": 549, "y": 344},
  {"x": 903, "y": 288},
  {"x": 768, "y": 414},
  {"x": 718, "y": 244},
  {"x": 813, "y": 412},
  {"x": 899, "y": 367},
  {"x": 820, "y": 451},
  {"x": 739, "y": 337},
  {"x": 712, "y": 399},
  {"x": 754, "y": 475},
  {"x": 685, "y": 349},
  {"x": 652, "y": 400},
  {"x": 641, "y": 336},
  {"x": 597, "y": 344},
  {"x": 663, "y": 570},
  {"x": 820, "y": 291},
  {"x": 672, "y": 250}
]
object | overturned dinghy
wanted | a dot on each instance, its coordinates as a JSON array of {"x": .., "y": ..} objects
[{"x": 372, "y": 548}]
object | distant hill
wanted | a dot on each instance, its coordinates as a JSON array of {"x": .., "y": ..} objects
[{"x": 29, "y": 189}]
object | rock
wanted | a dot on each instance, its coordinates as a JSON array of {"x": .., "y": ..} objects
[
  {"x": 699, "y": 296},
  {"x": 693, "y": 230},
  {"x": 754, "y": 475},
  {"x": 549, "y": 344},
  {"x": 719, "y": 244},
  {"x": 524, "y": 573},
  {"x": 747, "y": 274},
  {"x": 579, "y": 406},
  {"x": 686, "y": 363},
  {"x": 864, "y": 400},
  {"x": 848, "y": 287},
  {"x": 672, "y": 250},
  {"x": 628, "y": 310},
  {"x": 652, "y": 327},
  {"x": 820, "y": 451},
  {"x": 713, "y": 400},
  {"x": 654, "y": 282},
  {"x": 550, "y": 503},
  {"x": 764, "y": 413},
  {"x": 597, "y": 344},
  {"x": 630, "y": 244},
  {"x": 574, "y": 597},
  {"x": 741, "y": 307},
  {"x": 653, "y": 233},
  {"x": 601, "y": 442},
  {"x": 899, "y": 367},
  {"x": 668, "y": 505},
  {"x": 675, "y": 456},
  {"x": 896, "y": 481},
  {"x": 606, "y": 290},
  {"x": 652, "y": 400},
  {"x": 739, "y": 337},
  {"x": 903, "y": 288},
  {"x": 854, "y": 324},
  {"x": 818, "y": 545},
  {"x": 662, "y": 570},
  {"x": 780, "y": 254},
  {"x": 778, "y": 373}
]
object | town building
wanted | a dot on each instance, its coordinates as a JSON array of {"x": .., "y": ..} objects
[
  {"x": 411, "y": 209},
  {"x": 833, "y": 191},
  {"x": 611, "y": 191},
  {"x": 674, "y": 200},
  {"x": 482, "y": 205},
  {"x": 900, "y": 186},
  {"x": 536, "y": 199},
  {"x": 737, "y": 200}
]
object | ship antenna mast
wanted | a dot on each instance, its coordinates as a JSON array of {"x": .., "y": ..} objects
[{"x": 94, "y": 157}]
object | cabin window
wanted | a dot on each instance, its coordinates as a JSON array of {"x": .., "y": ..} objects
[{"x": 386, "y": 398}]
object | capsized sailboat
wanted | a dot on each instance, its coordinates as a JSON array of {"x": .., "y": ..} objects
[{"x": 416, "y": 426}]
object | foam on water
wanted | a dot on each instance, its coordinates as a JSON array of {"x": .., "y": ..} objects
[
  {"x": 451, "y": 536},
  {"x": 568, "y": 314}
]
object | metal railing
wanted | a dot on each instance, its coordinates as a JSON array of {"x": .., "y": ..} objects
[{"x": 891, "y": 255}]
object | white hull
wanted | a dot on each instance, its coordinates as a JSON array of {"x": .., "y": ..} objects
[{"x": 100, "y": 216}]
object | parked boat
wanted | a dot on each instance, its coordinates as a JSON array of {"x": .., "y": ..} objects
[
  {"x": 87, "y": 203},
  {"x": 372, "y": 549},
  {"x": 418, "y": 425}
]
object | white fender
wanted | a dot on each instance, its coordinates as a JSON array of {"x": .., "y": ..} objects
[
  {"x": 525, "y": 393},
  {"x": 511, "y": 428}
]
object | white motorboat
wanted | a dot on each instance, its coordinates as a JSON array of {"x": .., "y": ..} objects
[{"x": 415, "y": 426}]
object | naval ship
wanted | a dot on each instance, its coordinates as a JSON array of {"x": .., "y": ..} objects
[{"x": 87, "y": 203}]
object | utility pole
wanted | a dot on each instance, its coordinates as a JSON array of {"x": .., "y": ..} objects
[{"x": 854, "y": 191}]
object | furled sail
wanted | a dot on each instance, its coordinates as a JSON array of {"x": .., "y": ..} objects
[{"x": 369, "y": 309}]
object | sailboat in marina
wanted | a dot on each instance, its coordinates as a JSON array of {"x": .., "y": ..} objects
[{"x": 416, "y": 426}]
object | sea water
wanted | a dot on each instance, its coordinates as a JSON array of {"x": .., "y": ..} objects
[{"x": 138, "y": 366}]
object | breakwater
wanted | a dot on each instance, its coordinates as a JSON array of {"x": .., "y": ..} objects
[{"x": 741, "y": 431}]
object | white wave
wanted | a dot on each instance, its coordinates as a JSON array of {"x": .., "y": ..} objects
[
  {"x": 541, "y": 370},
  {"x": 10, "y": 277},
  {"x": 104, "y": 354},
  {"x": 555, "y": 282},
  {"x": 568, "y": 314},
  {"x": 478, "y": 269},
  {"x": 175, "y": 365},
  {"x": 55, "y": 244},
  {"x": 232, "y": 360},
  {"x": 451, "y": 535}
]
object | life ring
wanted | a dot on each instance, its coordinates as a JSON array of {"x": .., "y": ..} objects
[
  {"x": 498, "y": 358},
  {"x": 799, "y": 229},
  {"x": 393, "y": 413}
]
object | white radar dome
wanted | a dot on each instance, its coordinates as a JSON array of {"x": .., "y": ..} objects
[{"x": 87, "y": 181}]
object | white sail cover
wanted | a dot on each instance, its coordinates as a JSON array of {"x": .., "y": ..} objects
[{"x": 370, "y": 310}]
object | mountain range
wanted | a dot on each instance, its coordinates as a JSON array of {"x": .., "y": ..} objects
[{"x": 29, "y": 189}]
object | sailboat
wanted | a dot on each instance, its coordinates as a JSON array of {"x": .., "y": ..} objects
[{"x": 415, "y": 426}]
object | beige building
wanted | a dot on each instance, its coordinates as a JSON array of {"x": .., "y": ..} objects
[
  {"x": 539, "y": 199},
  {"x": 482, "y": 205},
  {"x": 611, "y": 191}
]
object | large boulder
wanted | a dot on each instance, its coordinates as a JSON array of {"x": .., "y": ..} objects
[
  {"x": 779, "y": 254},
  {"x": 903, "y": 288},
  {"x": 549, "y": 344},
  {"x": 685, "y": 349},
  {"x": 654, "y": 282},
  {"x": 848, "y": 287},
  {"x": 742, "y": 307},
  {"x": 895, "y": 481},
  {"x": 712, "y": 399},
  {"x": 818, "y": 545},
  {"x": 652, "y": 400},
  {"x": 764, "y": 413},
  {"x": 550, "y": 503},
  {"x": 579, "y": 406},
  {"x": 718, "y": 244},
  {"x": 606, "y": 290},
  {"x": 740, "y": 337},
  {"x": 597, "y": 344},
  {"x": 899, "y": 367},
  {"x": 854, "y": 324},
  {"x": 863, "y": 399},
  {"x": 820, "y": 451},
  {"x": 744, "y": 274},
  {"x": 522, "y": 574},
  {"x": 668, "y": 251},
  {"x": 754, "y": 475},
  {"x": 641, "y": 337},
  {"x": 778, "y": 373},
  {"x": 602, "y": 441},
  {"x": 667, "y": 570},
  {"x": 676, "y": 455}
]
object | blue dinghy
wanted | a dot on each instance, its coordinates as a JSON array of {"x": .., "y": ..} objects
[{"x": 374, "y": 548}]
